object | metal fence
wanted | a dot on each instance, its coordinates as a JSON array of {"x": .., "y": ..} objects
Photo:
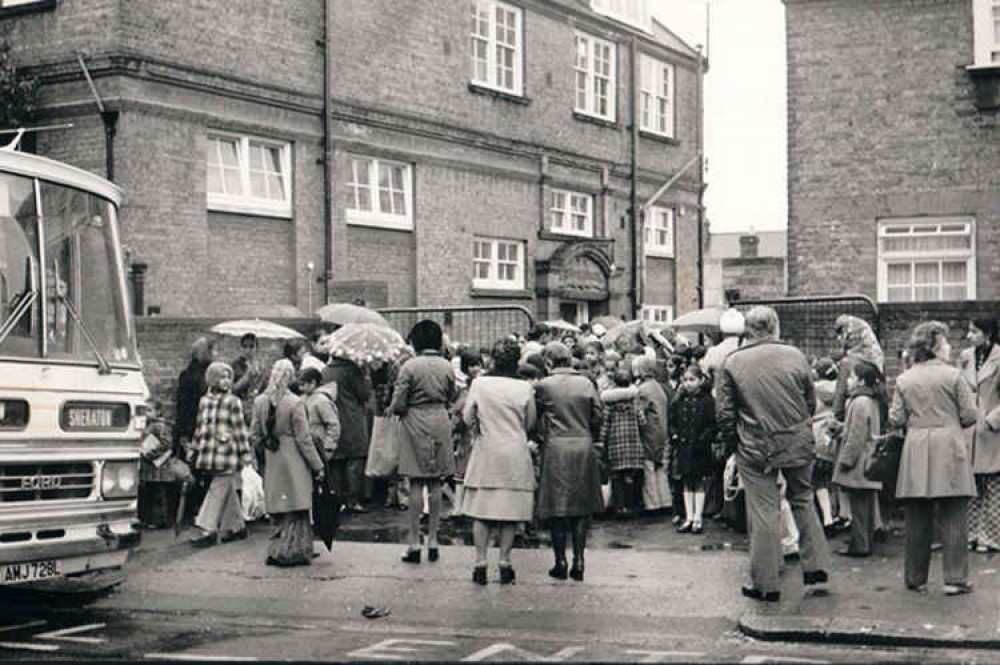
[
  {"x": 808, "y": 322},
  {"x": 476, "y": 325}
]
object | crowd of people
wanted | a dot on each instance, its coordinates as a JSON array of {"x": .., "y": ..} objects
[{"x": 556, "y": 427}]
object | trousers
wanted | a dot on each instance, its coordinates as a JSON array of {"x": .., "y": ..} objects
[
  {"x": 763, "y": 499},
  {"x": 954, "y": 534},
  {"x": 862, "y": 519},
  {"x": 221, "y": 509}
]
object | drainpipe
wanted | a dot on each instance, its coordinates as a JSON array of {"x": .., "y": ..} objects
[
  {"x": 700, "y": 287},
  {"x": 108, "y": 117},
  {"x": 633, "y": 226},
  {"x": 327, "y": 158}
]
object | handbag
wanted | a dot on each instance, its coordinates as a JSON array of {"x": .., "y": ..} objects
[
  {"x": 383, "y": 453},
  {"x": 271, "y": 442},
  {"x": 883, "y": 463}
]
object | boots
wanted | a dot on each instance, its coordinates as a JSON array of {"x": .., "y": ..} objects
[
  {"x": 558, "y": 530},
  {"x": 580, "y": 527}
]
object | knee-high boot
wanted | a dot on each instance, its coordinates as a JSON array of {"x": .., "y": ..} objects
[
  {"x": 558, "y": 530},
  {"x": 580, "y": 527}
]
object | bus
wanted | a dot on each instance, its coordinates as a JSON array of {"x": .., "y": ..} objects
[{"x": 72, "y": 396}]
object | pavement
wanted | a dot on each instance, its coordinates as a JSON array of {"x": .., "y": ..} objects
[{"x": 640, "y": 570}]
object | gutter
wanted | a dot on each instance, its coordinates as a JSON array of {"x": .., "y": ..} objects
[
  {"x": 327, "y": 157},
  {"x": 108, "y": 117}
]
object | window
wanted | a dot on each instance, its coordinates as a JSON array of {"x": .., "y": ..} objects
[
  {"x": 595, "y": 77},
  {"x": 4, "y": 4},
  {"x": 498, "y": 264},
  {"x": 248, "y": 175},
  {"x": 660, "y": 232},
  {"x": 379, "y": 193},
  {"x": 657, "y": 313},
  {"x": 986, "y": 26},
  {"x": 571, "y": 213},
  {"x": 633, "y": 12},
  {"x": 926, "y": 260},
  {"x": 496, "y": 45},
  {"x": 656, "y": 96},
  {"x": 574, "y": 311}
]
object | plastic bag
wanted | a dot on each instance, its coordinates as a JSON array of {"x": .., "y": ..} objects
[
  {"x": 253, "y": 494},
  {"x": 383, "y": 454}
]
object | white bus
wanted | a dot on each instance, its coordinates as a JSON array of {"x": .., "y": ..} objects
[{"x": 72, "y": 397}]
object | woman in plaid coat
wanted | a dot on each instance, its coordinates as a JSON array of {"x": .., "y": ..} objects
[
  {"x": 222, "y": 448},
  {"x": 620, "y": 435}
]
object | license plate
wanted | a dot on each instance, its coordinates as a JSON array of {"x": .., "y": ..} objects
[
  {"x": 15, "y": 573},
  {"x": 87, "y": 417}
]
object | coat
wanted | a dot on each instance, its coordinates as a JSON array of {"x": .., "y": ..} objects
[
  {"x": 288, "y": 478},
  {"x": 655, "y": 430},
  {"x": 765, "y": 400},
  {"x": 693, "y": 432},
  {"x": 985, "y": 435},
  {"x": 324, "y": 420},
  {"x": 424, "y": 389},
  {"x": 620, "y": 429},
  {"x": 221, "y": 441},
  {"x": 934, "y": 403},
  {"x": 862, "y": 424},
  {"x": 353, "y": 393},
  {"x": 567, "y": 406},
  {"x": 190, "y": 387},
  {"x": 500, "y": 411}
]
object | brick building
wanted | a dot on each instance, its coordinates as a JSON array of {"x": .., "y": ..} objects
[
  {"x": 893, "y": 150},
  {"x": 407, "y": 152},
  {"x": 745, "y": 265}
]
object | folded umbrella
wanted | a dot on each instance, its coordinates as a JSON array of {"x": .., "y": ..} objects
[{"x": 326, "y": 510}]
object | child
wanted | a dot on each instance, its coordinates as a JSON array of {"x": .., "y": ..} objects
[
  {"x": 826, "y": 444},
  {"x": 862, "y": 423},
  {"x": 606, "y": 379},
  {"x": 622, "y": 442},
  {"x": 693, "y": 429},
  {"x": 157, "y": 485}
]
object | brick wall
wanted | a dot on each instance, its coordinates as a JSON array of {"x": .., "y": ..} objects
[
  {"x": 882, "y": 123},
  {"x": 755, "y": 278}
]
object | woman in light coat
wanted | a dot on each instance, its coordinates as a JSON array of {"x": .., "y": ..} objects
[
  {"x": 281, "y": 425},
  {"x": 934, "y": 403},
  {"x": 499, "y": 478},
  {"x": 981, "y": 365}
]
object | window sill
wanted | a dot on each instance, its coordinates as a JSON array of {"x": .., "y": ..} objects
[
  {"x": 548, "y": 234},
  {"x": 499, "y": 94},
  {"x": 30, "y": 8},
  {"x": 662, "y": 138},
  {"x": 659, "y": 254},
  {"x": 379, "y": 223},
  {"x": 595, "y": 120},
  {"x": 518, "y": 294},
  {"x": 248, "y": 209}
]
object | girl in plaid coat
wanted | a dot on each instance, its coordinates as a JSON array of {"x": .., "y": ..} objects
[
  {"x": 620, "y": 436},
  {"x": 222, "y": 448}
]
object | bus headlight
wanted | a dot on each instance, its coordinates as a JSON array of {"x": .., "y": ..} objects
[{"x": 119, "y": 480}]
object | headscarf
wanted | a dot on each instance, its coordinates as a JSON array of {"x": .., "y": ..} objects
[
  {"x": 215, "y": 373},
  {"x": 860, "y": 341},
  {"x": 199, "y": 347},
  {"x": 644, "y": 366},
  {"x": 282, "y": 376}
]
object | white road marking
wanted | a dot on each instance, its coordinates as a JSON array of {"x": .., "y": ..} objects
[
  {"x": 29, "y": 647},
  {"x": 779, "y": 659},
  {"x": 67, "y": 634},
  {"x": 27, "y": 624},
  {"x": 494, "y": 649},
  {"x": 195, "y": 656},
  {"x": 663, "y": 656},
  {"x": 388, "y": 649}
]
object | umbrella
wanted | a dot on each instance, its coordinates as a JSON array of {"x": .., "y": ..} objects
[
  {"x": 637, "y": 329},
  {"x": 362, "y": 343},
  {"x": 181, "y": 509},
  {"x": 259, "y": 327},
  {"x": 608, "y": 322},
  {"x": 344, "y": 313},
  {"x": 563, "y": 326},
  {"x": 326, "y": 510},
  {"x": 698, "y": 321}
]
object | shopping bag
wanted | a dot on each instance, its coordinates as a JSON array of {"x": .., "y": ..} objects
[
  {"x": 883, "y": 464},
  {"x": 383, "y": 453},
  {"x": 252, "y": 494}
]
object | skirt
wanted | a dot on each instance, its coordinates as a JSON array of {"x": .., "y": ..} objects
[
  {"x": 570, "y": 480},
  {"x": 496, "y": 504},
  {"x": 426, "y": 450},
  {"x": 291, "y": 540},
  {"x": 984, "y": 512}
]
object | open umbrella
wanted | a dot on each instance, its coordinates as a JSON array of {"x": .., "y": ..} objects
[
  {"x": 608, "y": 322},
  {"x": 362, "y": 343},
  {"x": 562, "y": 326},
  {"x": 698, "y": 321},
  {"x": 637, "y": 329},
  {"x": 344, "y": 313},
  {"x": 259, "y": 327}
]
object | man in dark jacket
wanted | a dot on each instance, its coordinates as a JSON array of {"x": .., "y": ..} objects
[
  {"x": 347, "y": 465},
  {"x": 764, "y": 412}
]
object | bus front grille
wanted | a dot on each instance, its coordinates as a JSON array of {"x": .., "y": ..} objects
[{"x": 46, "y": 481}]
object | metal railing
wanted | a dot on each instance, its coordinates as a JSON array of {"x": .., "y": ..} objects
[{"x": 476, "y": 325}]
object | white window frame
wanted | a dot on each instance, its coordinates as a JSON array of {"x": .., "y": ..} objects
[
  {"x": 657, "y": 95},
  {"x": 660, "y": 222},
  {"x": 18, "y": 3},
  {"x": 245, "y": 202},
  {"x": 563, "y": 207},
  {"x": 986, "y": 33},
  {"x": 586, "y": 72},
  {"x": 484, "y": 15},
  {"x": 633, "y": 12},
  {"x": 657, "y": 313},
  {"x": 581, "y": 313},
  {"x": 376, "y": 216},
  {"x": 923, "y": 227},
  {"x": 493, "y": 262}
]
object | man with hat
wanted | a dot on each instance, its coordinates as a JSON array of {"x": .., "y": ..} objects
[{"x": 731, "y": 329}]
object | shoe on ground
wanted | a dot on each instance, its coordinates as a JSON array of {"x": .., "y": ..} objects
[
  {"x": 433, "y": 553},
  {"x": 675, "y": 520},
  {"x": 830, "y": 530},
  {"x": 815, "y": 577},
  {"x": 696, "y": 528},
  {"x": 791, "y": 557},
  {"x": 917, "y": 588},
  {"x": 411, "y": 556},
  {"x": 479, "y": 575},
  {"x": 229, "y": 536},
  {"x": 881, "y": 536},
  {"x": 559, "y": 571},
  {"x": 576, "y": 572},
  {"x": 957, "y": 589},
  {"x": 847, "y": 551},
  {"x": 757, "y": 594},
  {"x": 984, "y": 549},
  {"x": 358, "y": 508},
  {"x": 204, "y": 539},
  {"x": 685, "y": 528},
  {"x": 507, "y": 575}
]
